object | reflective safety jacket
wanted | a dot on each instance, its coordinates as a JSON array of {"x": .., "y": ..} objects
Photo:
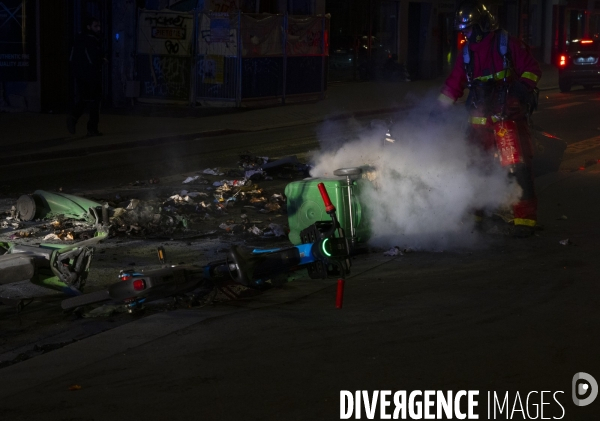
[{"x": 487, "y": 64}]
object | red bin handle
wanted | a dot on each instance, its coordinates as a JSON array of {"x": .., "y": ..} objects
[{"x": 329, "y": 208}]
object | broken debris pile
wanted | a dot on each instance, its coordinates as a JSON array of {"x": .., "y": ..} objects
[{"x": 212, "y": 198}]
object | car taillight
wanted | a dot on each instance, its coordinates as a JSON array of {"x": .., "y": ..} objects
[
  {"x": 562, "y": 61},
  {"x": 125, "y": 277},
  {"x": 587, "y": 41},
  {"x": 139, "y": 285}
]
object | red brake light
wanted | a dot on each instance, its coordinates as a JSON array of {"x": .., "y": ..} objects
[
  {"x": 562, "y": 61},
  {"x": 139, "y": 285},
  {"x": 587, "y": 41}
]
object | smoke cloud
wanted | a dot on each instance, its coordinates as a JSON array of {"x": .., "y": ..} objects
[{"x": 428, "y": 182}]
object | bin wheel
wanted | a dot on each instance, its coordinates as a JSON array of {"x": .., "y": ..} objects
[{"x": 348, "y": 172}]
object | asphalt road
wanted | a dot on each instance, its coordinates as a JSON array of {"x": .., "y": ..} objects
[
  {"x": 572, "y": 117},
  {"x": 511, "y": 315},
  {"x": 126, "y": 166}
]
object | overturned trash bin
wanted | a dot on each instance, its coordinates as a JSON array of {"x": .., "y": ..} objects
[
  {"x": 43, "y": 204},
  {"x": 54, "y": 266},
  {"x": 305, "y": 207}
]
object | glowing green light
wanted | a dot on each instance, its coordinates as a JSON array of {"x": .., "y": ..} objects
[{"x": 325, "y": 252}]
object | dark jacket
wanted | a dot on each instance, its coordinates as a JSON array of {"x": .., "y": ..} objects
[{"x": 87, "y": 57}]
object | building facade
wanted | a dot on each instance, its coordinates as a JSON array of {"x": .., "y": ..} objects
[{"x": 36, "y": 37}]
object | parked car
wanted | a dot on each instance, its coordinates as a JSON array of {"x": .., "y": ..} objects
[
  {"x": 342, "y": 52},
  {"x": 341, "y": 58},
  {"x": 579, "y": 65}
]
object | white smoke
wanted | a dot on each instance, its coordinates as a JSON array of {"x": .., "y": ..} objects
[{"x": 428, "y": 183}]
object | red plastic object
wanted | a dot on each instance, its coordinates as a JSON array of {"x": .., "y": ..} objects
[
  {"x": 329, "y": 208},
  {"x": 339, "y": 298},
  {"x": 139, "y": 285},
  {"x": 507, "y": 141}
]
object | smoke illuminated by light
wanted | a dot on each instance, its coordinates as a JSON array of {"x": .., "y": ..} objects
[{"x": 428, "y": 182}]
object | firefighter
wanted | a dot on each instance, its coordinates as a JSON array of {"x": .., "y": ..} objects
[{"x": 501, "y": 75}]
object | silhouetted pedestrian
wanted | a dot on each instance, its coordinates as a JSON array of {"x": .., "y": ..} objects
[{"x": 87, "y": 58}]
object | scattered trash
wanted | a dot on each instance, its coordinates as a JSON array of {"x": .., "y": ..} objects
[
  {"x": 51, "y": 237},
  {"x": 565, "y": 242},
  {"x": 161, "y": 253},
  {"x": 249, "y": 161},
  {"x": 231, "y": 227},
  {"x": 190, "y": 179},
  {"x": 255, "y": 230},
  {"x": 21, "y": 234},
  {"x": 288, "y": 160},
  {"x": 272, "y": 207},
  {"x": 212, "y": 171},
  {"x": 394, "y": 251},
  {"x": 133, "y": 204},
  {"x": 193, "y": 194},
  {"x": 182, "y": 214},
  {"x": 276, "y": 230},
  {"x": 254, "y": 174}
]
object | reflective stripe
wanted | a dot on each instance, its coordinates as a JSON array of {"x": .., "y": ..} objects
[
  {"x": 478, "y": 120},
  {"x": 497, "y": 76},
  {"x": 483, "y": 120},
  {"x": 530, "y": 76},
  {"x": 445, "y": 99},
  {"x": 526, "y": 222}
]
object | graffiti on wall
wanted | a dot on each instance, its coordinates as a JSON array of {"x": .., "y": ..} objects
[
  {"x": 164, "y": 76},
  {"x": 165, "y": 32}
]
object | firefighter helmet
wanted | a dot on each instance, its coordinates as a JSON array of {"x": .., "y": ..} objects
[{"x": 471, "y": 13}]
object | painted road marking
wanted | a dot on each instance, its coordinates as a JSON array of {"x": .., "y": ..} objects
[
  {"x": 567, "y": 105},
  {"x": 583, "y": 145}
]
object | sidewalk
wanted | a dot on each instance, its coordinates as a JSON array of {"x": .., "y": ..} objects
[{"x": 27, "y": 137}]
